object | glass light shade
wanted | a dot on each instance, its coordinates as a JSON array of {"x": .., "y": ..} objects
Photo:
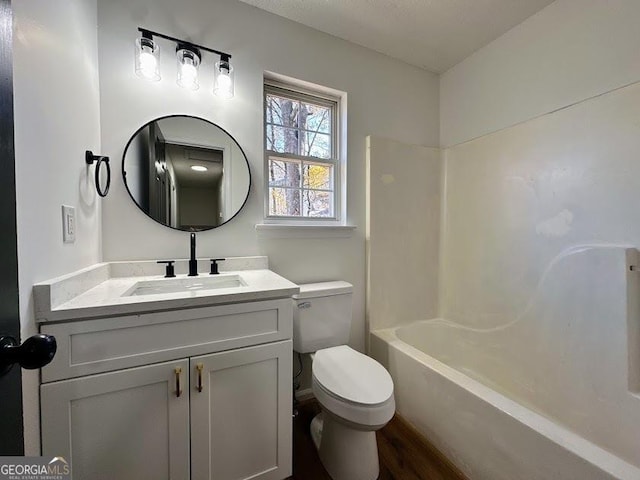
[
  {"x": 223, "y": 81},
  {"x": 188, "y": 63},
  {"x": 147, "y": 59}
]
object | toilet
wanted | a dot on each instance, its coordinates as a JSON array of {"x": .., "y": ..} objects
[{"x": 354, "y": 391}]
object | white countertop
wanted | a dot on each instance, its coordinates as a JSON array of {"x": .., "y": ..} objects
[{"x": 93, "y": 292}]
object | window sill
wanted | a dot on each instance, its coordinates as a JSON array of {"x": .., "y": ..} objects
[{"x": 281, "y": 230}]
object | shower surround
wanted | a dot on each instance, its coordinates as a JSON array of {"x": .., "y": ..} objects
[{"x": 536, "y": 298}]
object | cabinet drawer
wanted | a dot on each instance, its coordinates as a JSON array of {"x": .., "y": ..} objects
[{"x": 94, "y": 346}]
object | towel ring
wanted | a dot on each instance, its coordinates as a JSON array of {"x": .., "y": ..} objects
[{"x": 100, "y": 160}]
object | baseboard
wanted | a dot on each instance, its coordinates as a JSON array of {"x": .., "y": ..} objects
[{"x": 407, "y": 431}]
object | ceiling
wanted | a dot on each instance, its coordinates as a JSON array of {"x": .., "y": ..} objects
[
  {"x": 183, "y": 157},
  {"x": 431, "y": 34}
]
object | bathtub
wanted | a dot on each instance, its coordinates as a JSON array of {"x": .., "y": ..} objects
[{"x": 474, "y": 422}]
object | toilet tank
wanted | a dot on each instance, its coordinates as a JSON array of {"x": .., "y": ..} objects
[{"x": 322, "y": 316}]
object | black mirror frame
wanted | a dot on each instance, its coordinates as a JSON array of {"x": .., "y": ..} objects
[{"x": 124, "y": 173}]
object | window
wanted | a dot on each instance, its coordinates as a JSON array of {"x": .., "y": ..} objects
[{"x": 301, "y": 155}]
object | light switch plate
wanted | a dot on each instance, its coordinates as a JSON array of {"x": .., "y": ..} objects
[{"x": 68, "y": 224}]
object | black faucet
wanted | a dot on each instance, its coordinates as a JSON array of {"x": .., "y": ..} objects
[{"x": 193, "y": 263}]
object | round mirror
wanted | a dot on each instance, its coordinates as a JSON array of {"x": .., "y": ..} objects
[{"x": 186, "y": 173}]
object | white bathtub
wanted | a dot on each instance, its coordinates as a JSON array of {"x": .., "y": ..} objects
[{"x": 488, "y": 435}]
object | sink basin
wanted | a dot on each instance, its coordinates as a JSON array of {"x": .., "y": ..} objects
[{"x": 184, "y": 285}]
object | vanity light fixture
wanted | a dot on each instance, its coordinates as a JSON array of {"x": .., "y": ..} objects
[
  {"x": 188, "y": 57},
  {"x": 199, "y": 168}
]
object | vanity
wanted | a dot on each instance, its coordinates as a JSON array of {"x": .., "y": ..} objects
[{"x": 169, "y": 378}]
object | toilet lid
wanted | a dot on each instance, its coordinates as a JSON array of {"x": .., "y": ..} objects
[{"x": 352, "y": 376}]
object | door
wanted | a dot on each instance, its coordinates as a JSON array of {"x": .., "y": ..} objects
[
  {"x": 241, "y": 414},
  {"x": 11, "y": 434},
  {"x": 128, "y": 425}
]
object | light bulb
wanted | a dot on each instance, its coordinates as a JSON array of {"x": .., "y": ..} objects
[
  {"x": 148, "y": 63},
  {"x": 189, "y": 73},
  {"x": 224, "y": 82},
  {"x": 198, "y": 168},
  {"x": 147, "y": 59},
  {"x": 188, "y": 62}
]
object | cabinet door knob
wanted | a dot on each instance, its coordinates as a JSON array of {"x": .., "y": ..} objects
[
  {"x": 199, "y": 367},
  {"x": 178, "y": 371}
]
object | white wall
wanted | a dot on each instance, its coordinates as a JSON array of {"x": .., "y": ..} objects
[
  {"x": 56, "y": 119},
  {"x": 385, "y": 97},
  {"x": 512, "y": 194},
  {"x": 569, "y": 51}
]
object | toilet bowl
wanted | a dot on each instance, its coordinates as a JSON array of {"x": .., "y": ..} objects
[
  {"x": 356, "y": 397},
  {"x": 354, "y": 391}
]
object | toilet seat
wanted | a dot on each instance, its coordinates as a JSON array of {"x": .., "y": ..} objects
[
  {"x": 352, "y": 376},
  {"x": 353, "y": 386}
]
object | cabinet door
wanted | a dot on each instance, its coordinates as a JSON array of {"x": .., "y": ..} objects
[
  {"x": 241, "y": 418},
  {"x": 125, "y": 425}
]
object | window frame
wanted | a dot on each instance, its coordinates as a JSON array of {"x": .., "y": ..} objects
[{"x": 314, "y": 97}]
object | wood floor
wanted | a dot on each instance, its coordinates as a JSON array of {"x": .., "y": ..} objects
[{"x": 404, "y": 453}]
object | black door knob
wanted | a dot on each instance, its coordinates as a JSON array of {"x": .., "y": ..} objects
[{"x": 35, "y": 352}]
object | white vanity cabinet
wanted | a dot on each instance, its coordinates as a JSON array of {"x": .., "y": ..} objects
[
  {"x": 197, "y": 394},
  {"x": 126, "y": 425}
]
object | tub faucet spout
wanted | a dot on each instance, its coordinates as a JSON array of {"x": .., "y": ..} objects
[{"x": 193, "y": 263}]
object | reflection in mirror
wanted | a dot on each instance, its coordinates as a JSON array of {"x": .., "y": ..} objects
[{"x": 186, "y": 173}]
